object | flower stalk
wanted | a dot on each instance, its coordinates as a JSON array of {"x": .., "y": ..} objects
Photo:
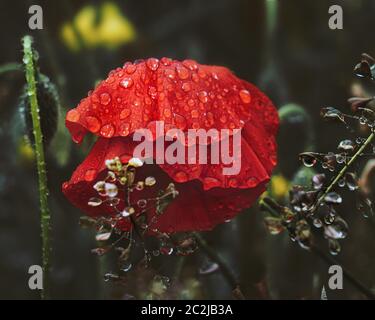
[
  {"x": 344, "y": 169},
  {"x": 28, "y": 61}
]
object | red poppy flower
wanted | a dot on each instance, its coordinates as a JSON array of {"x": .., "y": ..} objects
[{"x": 184, "y": 95}]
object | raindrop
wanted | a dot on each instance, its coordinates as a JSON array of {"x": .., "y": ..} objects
[
  {"x": 113, "y": 202},
  {"x": 194, "y": 113},
  {"x": 341, "y": 182},
  {"x": 150, "y": 181},
  {"x": 166, "y": 250},
  {"x": 317, "y": 223},
  {"x": 99, "y": 186},
  {"x": 333, "y": 198},
  {"x": 94, "y": 202},
  {"x": 190, "y": 64},
  {"x": 127, "y": 212},
  {"x": 140, "y": 185},
  {"x": 363, "y": 70},
  {"x": 334, "y": 246},
  {"x": 202, "y": 96},
  {"x": 103, "y": 236},
  {"x": 330, "y": 113},
  {"x": 186, "y": 86},
  {"x": 130, "y": 68},
  {"x": 337, "y": 230},
  {"x": 110, "y": 277},
  {"x": 93, "y": 124},
  {"x": 107, "y": 131},
  {"x": 340, "y": 158},
  {"x": 329, "y": 218},
  {"x": 208, "y": 268},
  {"x": 351, "y": 181},
  {"x": 182, "y": 72},
  {"x": 126, "y": 83},
  {"x": 110, "y": 189},
  {"x": 346, "y": 145},
  {"x": 181, "y": 177},
  {"x": 252, "y": 182},
  {"x": 124, "y": 129},
  {"x": 90, "y": 175},
  {"x": 210, "y": 182},
  {"x": 126, "y": 267},
  {"x": 245, "y": 96},
  {"x": 362, "y": 120},
  {"x": 308, "y": 159},
  {"x": 142, "y": 203},
  {"x": 318, "y": 181},
  {"x": 156, "y": 253},
  {"x": 105, "y": 99},
  {"x": 152, "y": 64},
  {"x": 73, "y": 115}
]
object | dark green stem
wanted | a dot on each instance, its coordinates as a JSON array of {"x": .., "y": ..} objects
[
  {"x": 344, "y": 169},
  {"x": 28, "y": 61},
  {"x": 224, "y": 268},
  {"x": 10, "y": 67}
]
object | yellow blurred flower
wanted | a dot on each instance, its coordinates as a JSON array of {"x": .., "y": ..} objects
[
  {"x": 279, "y": 186},
  {"x": 25, "y": 151},
  {"x": 112, "y": 31}
]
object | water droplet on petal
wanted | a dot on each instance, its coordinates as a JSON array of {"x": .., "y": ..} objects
[
  {"x": 194, "y": 113},
  {"x": 126, "y": 83},
  {"x": 107, "y": 131},
  {"x": 73, "y": 115},
  {"x": 93, "y": 124},
  {"x": 245, "y": 96},
  {"x": 181, "y": 177},
  {"x": 182, "y": 72},
  {"x": 202, "y": 96},
  {"x": 90, "y": 175},
  {"x": 169, "y": 73},
  {"x": 186, "y": 86},
  {"x": 105, "y": 99},
  {"x": 130, "y": 68},
  {"x": 125, "y": 113},
  {"x": 252, "y": 182},
  {"x": 233, "y": 183},
  {"x": 124, "y": 129},
  {"x": 210, "y": 182},
  {"x": 190, "y": 64},
  {"x": 180, "y": 121},
  {"x": 152, "y": 64}
]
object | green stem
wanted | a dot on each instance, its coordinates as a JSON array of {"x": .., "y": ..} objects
[
  {"x": 224, "y": 268},
  {"x": 344, "y": 169},
  {"x": 10, "y": 67},
  {"x": 28, "y": 60}
]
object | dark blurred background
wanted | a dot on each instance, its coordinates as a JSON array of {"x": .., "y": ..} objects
[{"x": 283, "y": 46}]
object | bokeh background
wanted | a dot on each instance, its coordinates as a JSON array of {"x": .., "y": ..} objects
[{"x": 283, "y": 46}]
